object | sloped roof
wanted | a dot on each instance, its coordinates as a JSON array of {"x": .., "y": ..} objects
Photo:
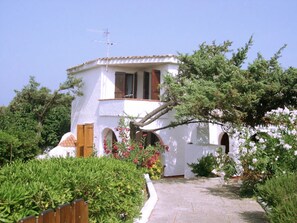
[
  {"x": 125, "y": 60},
  {"x": 68, "y": 140}
]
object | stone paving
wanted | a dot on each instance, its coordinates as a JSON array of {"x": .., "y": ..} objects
[{"x": 204, "y": 200}]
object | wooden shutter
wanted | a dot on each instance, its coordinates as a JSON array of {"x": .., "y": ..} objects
[
  {"x": 155, "y": 89},
  {"x": 146, "y": 85},
  {"x": 89, "y": 140},
  {"x": 80, "y": 143},
  {"x": 119, "y": 85},
  {"x": 85, "y": 140}
]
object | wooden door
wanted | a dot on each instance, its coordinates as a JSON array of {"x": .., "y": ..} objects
[
  {"x": 85, "y": 140},
  {"x": 89, "y": 139},
  {"x": 80, "y": 141}
]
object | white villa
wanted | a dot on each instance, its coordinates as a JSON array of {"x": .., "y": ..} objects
[{"x": 118, "y": 86}]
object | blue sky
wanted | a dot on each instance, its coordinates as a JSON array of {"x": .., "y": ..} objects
[{"x": 44, "y": 38}]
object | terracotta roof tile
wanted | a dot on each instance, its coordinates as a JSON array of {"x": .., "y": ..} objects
[{"x": 68, "y": 142}]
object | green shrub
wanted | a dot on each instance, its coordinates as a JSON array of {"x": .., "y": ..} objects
[
  {"x": 156, "y": 171},
  {"x": 113, "y": 189},
  {"x": 205, "y": 166},
  {"x": 280, "y": 194}
]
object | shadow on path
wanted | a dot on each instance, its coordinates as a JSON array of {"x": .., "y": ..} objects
[{"x": 254, "y": 216}]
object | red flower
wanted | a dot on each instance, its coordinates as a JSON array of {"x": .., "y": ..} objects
[
  {"x": 115, "y": 147},
  {"x": 167, "y": 148}
]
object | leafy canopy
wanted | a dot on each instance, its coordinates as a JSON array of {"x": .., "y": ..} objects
[
  {"x": 213, "y": 86},
  {"x": 35, "y": 119}
]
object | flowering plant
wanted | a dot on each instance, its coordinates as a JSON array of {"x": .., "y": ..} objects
[
  {"x": 139, "y": 151},
  {"x": 265, "y": 151},
  {"x": 225, "y": 164}
]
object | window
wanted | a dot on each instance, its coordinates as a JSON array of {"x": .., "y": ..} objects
[
  {"x": 146, "y": 85},
  {"x": 151, "y": 84},
  {"x": 125, "y": 85}
]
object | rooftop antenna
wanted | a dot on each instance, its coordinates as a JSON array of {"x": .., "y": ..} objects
[{"x": 107, "y": 42}]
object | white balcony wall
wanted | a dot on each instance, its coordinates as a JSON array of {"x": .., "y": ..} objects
[{"x": 131, "y": 107}]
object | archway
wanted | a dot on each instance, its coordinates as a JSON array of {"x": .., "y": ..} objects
[
  {"x": 225, "y": 142},
  {"x": 150, "y": 138},
  {"x": 109, "y": 138}
]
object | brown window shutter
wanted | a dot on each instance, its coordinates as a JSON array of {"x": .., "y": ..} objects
[
  {"x": 155, "y": 89},
  {"x": 119, "y": 85},
  {"x": 80, "y": 143},
  {"x": 89, "y": 140}
]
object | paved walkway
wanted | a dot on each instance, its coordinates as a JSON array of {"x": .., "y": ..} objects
[{"x": 205, "y": 200}]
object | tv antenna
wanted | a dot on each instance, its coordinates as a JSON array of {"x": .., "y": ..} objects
[{"x": 107, "y": 42}]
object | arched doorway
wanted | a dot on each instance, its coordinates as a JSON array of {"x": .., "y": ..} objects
[
  {"x": 109, "y": 138},
  {"x": 150, "y": 138},
  {"x": 225, "y": 142}
]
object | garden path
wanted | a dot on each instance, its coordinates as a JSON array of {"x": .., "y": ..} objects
[{"x": 205, "y": 200}]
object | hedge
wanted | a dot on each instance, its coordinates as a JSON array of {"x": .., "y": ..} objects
[
  {"x": 280, "y": 194},
  {"x": 112, "y": 188}
]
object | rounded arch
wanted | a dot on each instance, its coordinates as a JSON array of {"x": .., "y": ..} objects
[
  {"x": 109, "y": 137},
  {"x": 225, "y": 141},
  {"x": 151, "y": 138}
]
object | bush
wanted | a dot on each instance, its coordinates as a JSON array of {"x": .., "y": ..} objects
[
  {"x": 264, "y": 151},
  {"x": 113, "y": 189},
  {"x": 225, "y": 165},
  {"x": 156, "y": 171},
  {"x": 139, "y": 152},
  {"x": 204, "y": 167},
  {"x": 280, "y": 194}
]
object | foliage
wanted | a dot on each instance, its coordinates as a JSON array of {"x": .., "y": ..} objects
[
  {"x": 22, "y": 128},
  {"x": 280, "y": 194},
  {"x": 156, "y": 171},
  {"x": 265, "y": 152},
  {"x": 7, "y": 144},
  {"x": 113, "y": 189},
  {"x": 205, "y": 166},
  {"x": 139, "y": 152},
  {"x": 226, "y": 166},
  {"x": 37, "y": 117},
  {"x": 213, "y": 86}
]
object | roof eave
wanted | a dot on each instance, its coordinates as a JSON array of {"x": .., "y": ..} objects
[{"x": 129, "y": 60}]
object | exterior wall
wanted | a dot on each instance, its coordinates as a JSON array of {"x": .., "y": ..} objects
[
  {"x": 177, "y": 140},
  {"x": 99, "y": 107},
  {"x": 84, "y": 108}
]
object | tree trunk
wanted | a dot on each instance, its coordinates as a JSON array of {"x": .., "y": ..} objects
[{"x": 133, "y": 130}]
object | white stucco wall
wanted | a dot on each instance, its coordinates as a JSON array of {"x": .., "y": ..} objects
[
  {"x": 84, "y": 108},
  {"x": 99, "y": 107}
]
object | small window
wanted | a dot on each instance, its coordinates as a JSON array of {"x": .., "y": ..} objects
[{"x": 125, "y": 85}]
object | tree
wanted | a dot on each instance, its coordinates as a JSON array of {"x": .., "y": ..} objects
[
  {"x": 37, "y": 117},
  {"x": 213, "y": 86}
]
